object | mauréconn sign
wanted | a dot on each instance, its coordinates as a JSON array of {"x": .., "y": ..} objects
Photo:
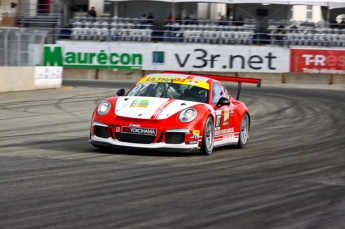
[{"x": 56, "y": 56}]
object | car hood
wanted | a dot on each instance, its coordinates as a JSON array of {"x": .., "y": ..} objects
[{"x": 150, "y": 107}]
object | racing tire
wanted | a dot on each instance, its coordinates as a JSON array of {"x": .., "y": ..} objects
[
  {"x": 208, "y": 137},
  {"x": 244, "y": 131}
]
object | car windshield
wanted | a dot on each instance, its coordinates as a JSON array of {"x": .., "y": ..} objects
[{"x": 170, "y": 89}]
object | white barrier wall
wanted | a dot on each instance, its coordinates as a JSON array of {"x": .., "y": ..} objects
[
  {"x": 48, "y": 77},
  {"x": 29, "y": 78},
  {"x": 164, "y": 56}
]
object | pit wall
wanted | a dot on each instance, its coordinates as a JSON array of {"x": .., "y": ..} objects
[
  {"x": 29, "y": 78},
  {"x": 267, "y": 78}
]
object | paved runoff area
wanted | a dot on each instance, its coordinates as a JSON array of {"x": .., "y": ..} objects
[{"x": 291, "y": 174}]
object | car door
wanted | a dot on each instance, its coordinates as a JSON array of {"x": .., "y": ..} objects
[{"x": 224, "y": 124}]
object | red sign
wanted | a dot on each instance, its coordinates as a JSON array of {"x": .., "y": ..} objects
[{"x": 324, "y": 61}]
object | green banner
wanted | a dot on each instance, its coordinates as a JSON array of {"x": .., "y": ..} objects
[{"x": 57, "y": 56}]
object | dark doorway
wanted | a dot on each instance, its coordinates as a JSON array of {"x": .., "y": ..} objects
[{"x": 43, "y": 7}]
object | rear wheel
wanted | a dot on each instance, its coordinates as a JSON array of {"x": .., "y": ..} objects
[
  {"x": 244, "y": 131},
  {"x": 208, "y": 137}
]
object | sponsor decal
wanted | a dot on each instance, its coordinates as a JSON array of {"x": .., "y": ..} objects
[
  {"x": 118, "y": 129},
  {"x": 218, "y": 138},
  {"x": 140, "y": 103},
  {"x": 136, "y": 130},
  {"x": 193, "y": 82},
  {"x": 164, "y": 56},
  {"x": 226, "y": 114},
  {"x": 202, "y": 58},
  {"x": 218, "y": 114},
  {"x": 191, "y": 136},
  {"x": 167, "y": 79},
  {"x": 196, "y": 133},
  {"x": 227, "y": 136},
  {"x": 218, "y": 118},
  {"x": 48, "y": 76},
  {"x": 161, "y": 108},
  {"x": 54, "y": 55},
  {"x": 225, "y": 131},
  {"x": 158, "y": 58},
  {"x": 323, "y": 61},
  {"x": 191, "y": 142}
]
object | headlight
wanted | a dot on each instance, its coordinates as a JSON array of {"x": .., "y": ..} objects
[
  {"x": 188, "y": 115},
  {"x": 104, "y": 108}
]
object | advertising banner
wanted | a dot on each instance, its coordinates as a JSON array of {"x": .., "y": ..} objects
[
  {"x": 221, "y": 58},
  {"x": 323, "y": 61},
  {"x": 163, "y": 56}
]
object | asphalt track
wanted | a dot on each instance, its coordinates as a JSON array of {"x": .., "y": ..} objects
[{"x": 290, "y": 175}]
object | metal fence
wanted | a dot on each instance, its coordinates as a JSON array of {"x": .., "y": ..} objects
[{"x": 16, "y": 45}]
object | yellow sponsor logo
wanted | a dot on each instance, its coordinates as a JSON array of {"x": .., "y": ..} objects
[
  {"x": 196, "y": 133},
  {"x": 167, "y": 79}
]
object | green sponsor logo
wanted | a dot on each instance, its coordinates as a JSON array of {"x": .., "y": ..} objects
[{"x": 54, "y": 56}]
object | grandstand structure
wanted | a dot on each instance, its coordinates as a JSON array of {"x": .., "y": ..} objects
[
  {"x": 261, "y": 23},
  {"x": 209, "y": 31},
  {"x": 267, "y": 22},
  {"x": 116, "y": 29},
  {"x": 306, "y": 33}
]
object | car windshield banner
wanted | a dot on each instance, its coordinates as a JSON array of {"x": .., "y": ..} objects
[{"x": 323, "y": 61}]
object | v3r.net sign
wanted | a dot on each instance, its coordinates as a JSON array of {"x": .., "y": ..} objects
[{"x": 324, "y": 61}]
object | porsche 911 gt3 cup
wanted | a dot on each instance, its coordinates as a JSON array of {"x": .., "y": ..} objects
[{"x": 173, "y": 111}]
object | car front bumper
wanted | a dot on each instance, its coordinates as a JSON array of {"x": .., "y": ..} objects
[{"x": 114, "y": 143}]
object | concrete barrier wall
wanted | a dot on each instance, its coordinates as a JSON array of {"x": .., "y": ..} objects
[
  {"x": 339, "y": 79},
  {"x": 267, "y": 78},
  {"x": 17, "y": 78},
  {"x": 29, "y": 78}
]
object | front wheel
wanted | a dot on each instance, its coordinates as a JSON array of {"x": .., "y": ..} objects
[
  {"x": 208, "y": 137},
  {"x": 244, "y": 131}
]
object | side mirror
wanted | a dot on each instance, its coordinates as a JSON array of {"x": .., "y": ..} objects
[
  {"x": 120, "y": 92},
  {"x": 223, "y": 101}
]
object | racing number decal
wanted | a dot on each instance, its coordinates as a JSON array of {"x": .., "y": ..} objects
[
  {"x": 218, "y": 118},
  {"x": 140, "y": 87},
  {"x": 218, "y": 114}
]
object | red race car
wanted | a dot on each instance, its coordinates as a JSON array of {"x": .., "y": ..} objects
[{"x": 173, "y": 111}]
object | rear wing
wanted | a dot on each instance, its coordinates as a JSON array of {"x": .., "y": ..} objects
[{"x": 239, "y": 80}]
